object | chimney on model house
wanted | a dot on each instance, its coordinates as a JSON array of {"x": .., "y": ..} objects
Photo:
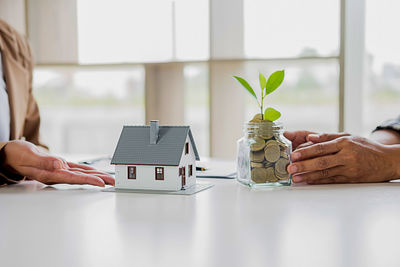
[{"x": 154, "y": 129}]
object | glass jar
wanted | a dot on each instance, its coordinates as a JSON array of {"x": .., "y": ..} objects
[{"x": 263, "y": 154}]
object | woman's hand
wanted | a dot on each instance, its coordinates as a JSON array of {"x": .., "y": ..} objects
[
  {"x": 346, "y": 159},
  {"x": 25, "y": 159}
]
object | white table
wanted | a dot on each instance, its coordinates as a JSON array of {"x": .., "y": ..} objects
[{"x": 227, "y": 225}]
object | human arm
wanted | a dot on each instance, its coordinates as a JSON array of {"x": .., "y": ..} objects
[
  {"x": 356, "y": 156},
  {"x": 301, "y": 139},
  {"x": 297, "y": 138},
  {"x": 20, "y": 159},
  {"x": 347, "y": 159}
]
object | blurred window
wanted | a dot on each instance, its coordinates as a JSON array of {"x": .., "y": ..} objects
[
  {"x": 84, "y": 107},
  {"x": 197, "y": 104},
  {"x": 287, "y": 28},
  {"x": 308, "y": 98},
  {"x": 382, "y": 96},
  {"x": 142, "y": 31}
]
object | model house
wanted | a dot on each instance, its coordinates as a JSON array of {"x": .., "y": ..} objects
[{"x": 155, "y": 157}]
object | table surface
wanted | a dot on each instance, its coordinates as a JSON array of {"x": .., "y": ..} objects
[{"x": 227, "y": 225}]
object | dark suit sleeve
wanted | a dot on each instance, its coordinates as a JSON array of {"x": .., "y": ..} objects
[{"x": 392, "y": 124}]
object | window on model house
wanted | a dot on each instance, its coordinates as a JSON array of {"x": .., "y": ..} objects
[
  {"x": 159, "y": 171},
  {"x": 187, "y": 148},
  {"x": 131, "y": 172},
  {"x": 190, "y": 170}
]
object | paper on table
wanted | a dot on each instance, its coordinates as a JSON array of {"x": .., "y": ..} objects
[
  {"x": 198, "y": 187},
  {"x": 101, "y": 163},
  {"x": 215, "y": 168}
]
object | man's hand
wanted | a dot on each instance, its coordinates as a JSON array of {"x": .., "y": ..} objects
[
  {"x": 345, "y": 159},
  {"x": 301, "y": 139},
  {"x": 25, "y": 159}
]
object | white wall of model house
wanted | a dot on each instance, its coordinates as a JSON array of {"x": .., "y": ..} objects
[
  {"x": 145, "y": 174},
  {"x": 145, "y": 178},
  {"x": 186, "y": 161}
]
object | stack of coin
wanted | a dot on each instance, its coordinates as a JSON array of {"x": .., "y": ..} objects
[
  {"x": 281, "y": 168},
  {"x": 272, "y": 151},
  {"x": 269, "y": 156}
]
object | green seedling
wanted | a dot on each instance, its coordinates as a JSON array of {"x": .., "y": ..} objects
[{"x": 267, "y": 87}]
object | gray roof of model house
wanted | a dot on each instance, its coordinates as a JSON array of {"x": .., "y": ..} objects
[{"x": 134, "y": 146}]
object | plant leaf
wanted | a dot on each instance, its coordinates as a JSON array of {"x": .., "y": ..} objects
[
  {"x": 246, "y": 85},
  {"x": 263, "y": 81},
  {"x": 271, "y": 114},
  {"x": 274, "y": 81}
]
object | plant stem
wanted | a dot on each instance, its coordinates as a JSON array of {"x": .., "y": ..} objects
[
  {"x": 262, "y": 104},
  {"x": 258, "y": 102}
]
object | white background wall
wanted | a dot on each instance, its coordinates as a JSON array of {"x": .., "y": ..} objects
[{"x": 13, "y": 12}]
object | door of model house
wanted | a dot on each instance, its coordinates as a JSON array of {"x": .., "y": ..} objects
[{"x": 183, "y": 176}]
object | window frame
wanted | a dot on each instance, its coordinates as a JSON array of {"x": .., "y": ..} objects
[
  {"x": 190, "y": 172},
  {"x": 352, "y": 27},
  {"x": 159, "y": 176},
  {"x": 186, "y": 148},
  {"x": 134, "y": 172}
]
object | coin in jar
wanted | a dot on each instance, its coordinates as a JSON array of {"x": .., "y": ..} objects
[
  {"x": 270, "y": 175},
  {"x": 281, "y": 144},
  {"x": 284, "y": 155},
  {"x": 281, "y": 176},
  {"x": 272, "y": 151},
  {"x": 256, "y": 164},
  {"x": 257, "y": 156},
  {"x": 258, "y": 144},
  {"x": 268, "y": 164},
  {"x": 266, "y": 135},
  {"x": 271, "y": 142},
  {"x": 256, "y": 118},
  {"x": 265, "y": 132},
  {"x": 259, "y": 175},
  {"x": 281, "y": 165}
]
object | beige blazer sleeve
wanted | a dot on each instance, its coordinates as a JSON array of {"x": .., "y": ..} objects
[
  {"x": 31, "y": 129},
  {"x": 24, "y": 112}
]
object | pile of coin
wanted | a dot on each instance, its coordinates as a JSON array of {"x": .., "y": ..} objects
[{"x": 268, "y": 154}]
